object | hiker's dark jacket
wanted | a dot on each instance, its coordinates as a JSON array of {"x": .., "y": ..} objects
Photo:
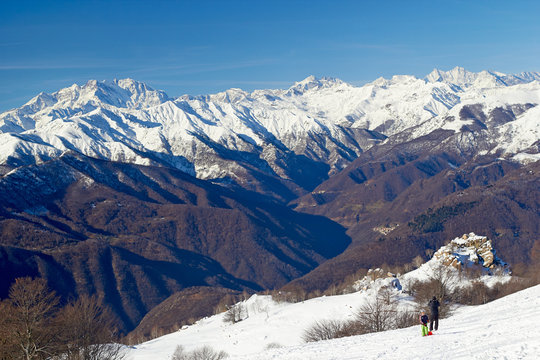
[{"x": 434, "y": 306}]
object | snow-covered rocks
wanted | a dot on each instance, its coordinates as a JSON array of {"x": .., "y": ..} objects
[
  {"x": 469, "y": 250},
  {"x": 376, "y": 279}
]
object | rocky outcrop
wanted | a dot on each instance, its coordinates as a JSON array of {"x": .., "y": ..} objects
[{"x": 467, "y": 250}]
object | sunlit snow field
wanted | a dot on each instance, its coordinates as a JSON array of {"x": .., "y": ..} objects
[{"x": 503, "y": 329}]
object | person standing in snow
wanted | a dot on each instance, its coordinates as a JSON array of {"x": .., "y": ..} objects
[
  {"x": 434, "y": 306},
  {"x": 423, "y": 321}
]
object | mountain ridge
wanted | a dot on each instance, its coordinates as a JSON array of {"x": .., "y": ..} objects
[
  {"x": 325, "y": 120},
  {"x": 293, "y": 187}
]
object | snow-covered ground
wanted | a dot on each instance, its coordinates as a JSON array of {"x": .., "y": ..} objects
[{"x": 503, "y": 329}]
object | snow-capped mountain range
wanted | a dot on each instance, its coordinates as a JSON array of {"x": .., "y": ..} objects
[
  {"x": 325, "y": 121},
  {"x": 294, "y": 187}
]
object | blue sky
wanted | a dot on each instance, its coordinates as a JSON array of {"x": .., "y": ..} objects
[{"x": 200, "y": 47}]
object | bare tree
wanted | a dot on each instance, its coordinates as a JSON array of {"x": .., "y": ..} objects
[
  {"x": 443, "y": 277},
  {"x": 8, "y": 347},
  {"x": 376, "y": 315},
  {"x": 28, "y": 317},
  {"x": 88, "y": 331},
  {"x": 236, "y": 313},
  {"x": 33, "y": 327},
  {"x": 441, "y": 283},
  {"x": 387, "y": 294}
]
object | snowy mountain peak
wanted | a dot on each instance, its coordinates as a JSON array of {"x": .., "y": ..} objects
[
  {"x": 483, "y": 79},
  {"x": 39, "y": 102},
  {"x": 458, "y": 76},
  {"x": 140, "y": 92},
  {"x": 308, "y": 80},
  {"x": 125, "y": 93},
  {"x": 529, "y": 75},
  {"x": 312, "y": 82},
  {"x": 233, "y": 95},
  {"x": 285, "y": 118}
]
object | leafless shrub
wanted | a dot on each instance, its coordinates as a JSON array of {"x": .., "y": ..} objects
[
  {"x": 409, "y": 286},
  {"x": 328, "y": 329},
  {"x": 479, "y": 293},
  {"x": 378, "y": 314},
  {"x": 203, "y": 353},
  {"x": 475, "y": 294},
  {"x": 179, "y": 353},
  {"x": 8, "y": 345},
  {"x": 348, "y": 289},
  {"x": 512, "y": 286},
  {"x": 423, "y": 291},
  {"x": 207, "y": 353},
  {"x": 134, "y": 339},
  {"x": 314, "y": 294},
  {"x": 332, "y": 290},
  {"x": 273, "y": 345},
  {"x": 405, "y": 319},
  {"x": 87, "y": 331}
]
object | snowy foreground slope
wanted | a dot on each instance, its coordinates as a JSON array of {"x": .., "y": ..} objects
[{"x": 502, "y": 329}]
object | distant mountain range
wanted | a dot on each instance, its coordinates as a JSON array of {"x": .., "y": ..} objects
[
  {"x": 319, "y": 124},
  {"x": 117, "y": 189}
]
